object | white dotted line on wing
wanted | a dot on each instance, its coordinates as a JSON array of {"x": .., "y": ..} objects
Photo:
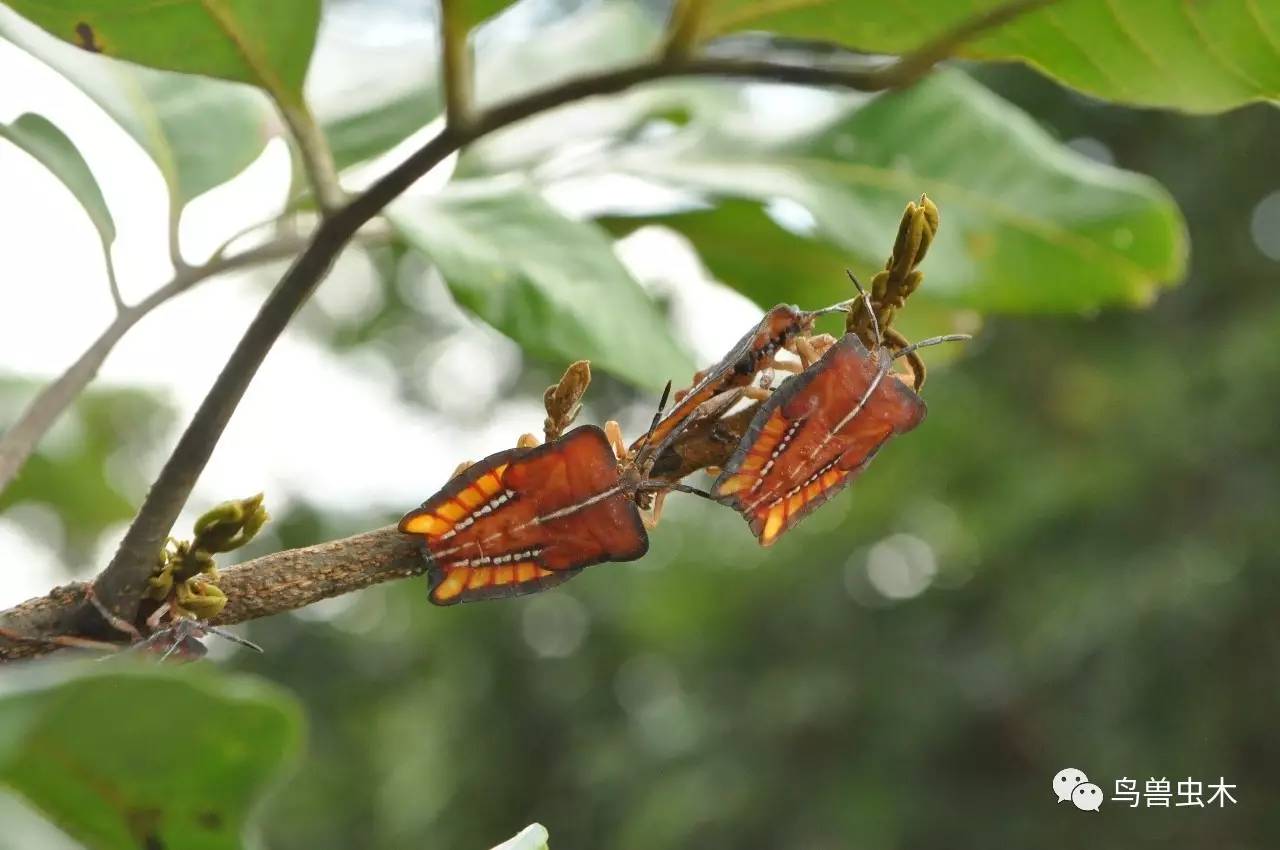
[{"x": 537, "y": 520}]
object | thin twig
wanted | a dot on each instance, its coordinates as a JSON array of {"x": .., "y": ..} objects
[
  {"x": 313, "y": 150},
  {"x": 684, "y": 28},
  {"x": 21, "y": 439},
  {"x": 176, "y": 259},
  {"x": 455, "y": 63},
  {"x": 121, "y": 585},
  {"x": 114, "y": 286}
]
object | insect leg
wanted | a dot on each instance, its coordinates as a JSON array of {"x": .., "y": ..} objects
[
  {"x": 613, "y": 431},
  {"x": 651, "y": 517},
  {"x": 896, "y": 343},
  {"x": 808, "y": 354}
]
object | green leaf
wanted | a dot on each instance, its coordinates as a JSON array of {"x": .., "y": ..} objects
[
  {"x": 1027, "y": 225},
  {"x": 80, "y": 468},
  {"x": 265, "y": 44},
  {"x": 743, "y": 246},
  {"x": 739, "y": 243},
  {"x": 148, "y": 758},
  {"x": 374, "y": 129},
  {"x": 38, "y": 136},
  {"x": 1200, "y": 57},
  {"x": 474, "y": 12},
  {"x": 200, "y": 133},
  {"x": 550, "y": 283},
  {"x": 532, "y": 837}
]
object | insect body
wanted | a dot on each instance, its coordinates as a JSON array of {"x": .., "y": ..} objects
[
  {"x": 699, "y": 414},
  {"x": 821, "y": 428},
  {"x": 526, "y": 519},
  {"x": 814, "y": 434},
  {"x": 780, "y": 328}
]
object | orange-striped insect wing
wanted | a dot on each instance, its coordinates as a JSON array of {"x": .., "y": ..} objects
[
  {"x": 585, "y": 515},
  {"x": 817, "y": 431},
  {"x": 523, "y": 520}
]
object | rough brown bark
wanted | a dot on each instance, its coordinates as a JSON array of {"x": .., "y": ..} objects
[{"x": 282, "y": 581}]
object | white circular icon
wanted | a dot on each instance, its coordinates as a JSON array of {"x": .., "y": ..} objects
[
  {"x": 1066, "y": 781},
  {"x": 1087, "y": 797}
]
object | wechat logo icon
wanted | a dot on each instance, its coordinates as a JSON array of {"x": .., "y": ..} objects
[{"x": 1072, "y": 786}]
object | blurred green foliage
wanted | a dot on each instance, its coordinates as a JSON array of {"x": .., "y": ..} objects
[
  {"x": 1199, "y": 57},
  {"x": 1097, "y": 495},
  {"x": 184, "y": 756},
  {"x": 88, "y": 471}
]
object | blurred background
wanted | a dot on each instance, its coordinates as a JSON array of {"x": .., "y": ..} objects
[{"x": 1070, "y": 564}]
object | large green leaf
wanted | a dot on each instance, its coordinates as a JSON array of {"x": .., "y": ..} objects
[
  {"x": 550, "y": 283},
  {"x": 147, "y": 758},
  {"x": 40, "y": 138},
  {"x": 1202, "y": 57},
  {"x": 247, "y": 41},
  {"x": 199, "y": 132},
  {"x": 1028, "y": 225}
]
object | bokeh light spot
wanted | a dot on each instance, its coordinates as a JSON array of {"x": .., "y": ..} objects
[
  {"x": 1264, "y": 225},
  {"x": 648, "y": 689},
  {"x": 901, "y": 566},
  {"x": 554, "y": 625},
  {"x": 1094, "y": 149}
]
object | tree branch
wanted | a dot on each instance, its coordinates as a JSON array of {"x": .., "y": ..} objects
[
  {"x": 21, "y": 439},
  {"x": 272, "y": 584},
  {"x": 121, "y": 585}
]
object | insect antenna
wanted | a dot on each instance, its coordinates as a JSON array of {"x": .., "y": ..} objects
[
  {"x": 231, "y": 636},
  {"x": 838, "y": 307},
  {"x": 847, "y": 305},
  {"x": 657, "y": 416},
  {"x": 654, "y": 484},
  {"x": 933, "y": 340},
  {"x": 865, "y": 297},
  {"x": 666, "y": 441}
]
